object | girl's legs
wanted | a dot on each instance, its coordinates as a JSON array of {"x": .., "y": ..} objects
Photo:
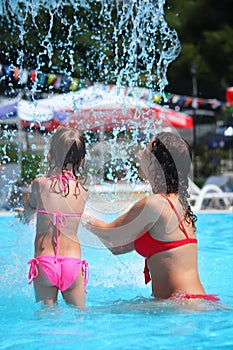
[
  {"x": 75, "y": 295},
  {"x": 44, "y": 290}
]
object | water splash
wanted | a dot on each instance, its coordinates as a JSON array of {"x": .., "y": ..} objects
[{"x": 127, "y": 43}]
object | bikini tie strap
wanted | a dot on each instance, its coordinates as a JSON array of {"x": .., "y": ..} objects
[
  {"x": 63, "y": 182},
  {"x": 63, "y": 179},
  {"x": 33, "y": 271},
  {"x": 60, "y": 219},
  {"x": 146, "y": 272},
  {"x": 85, "y": 269}
]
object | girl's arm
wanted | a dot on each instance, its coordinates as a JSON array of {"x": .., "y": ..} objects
[
  {"x": 29, "y": 207},
  {"x": 129, "y": 226}
]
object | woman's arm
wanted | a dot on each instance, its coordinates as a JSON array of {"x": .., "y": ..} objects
[
  {"x": 122, "y": 249},
  {"x": 127, "y": 227}
]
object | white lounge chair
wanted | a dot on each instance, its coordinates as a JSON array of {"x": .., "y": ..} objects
[{"x": 210, "y": 196}]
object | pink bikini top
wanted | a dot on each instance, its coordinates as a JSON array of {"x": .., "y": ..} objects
[
  {"x": 60, "y": 218},
  {"x": 147, "y": 246}
]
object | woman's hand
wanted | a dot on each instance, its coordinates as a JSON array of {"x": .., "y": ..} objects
[{"x": 94, "y": 225}]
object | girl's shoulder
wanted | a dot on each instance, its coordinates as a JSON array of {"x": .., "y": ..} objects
[{"x": 39, "y": 180}]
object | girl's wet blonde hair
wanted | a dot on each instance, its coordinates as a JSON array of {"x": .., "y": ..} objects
[{"x": 67, "y": 152}]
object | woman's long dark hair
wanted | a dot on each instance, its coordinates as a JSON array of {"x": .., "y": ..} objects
[{"x": 174, "y": 156}]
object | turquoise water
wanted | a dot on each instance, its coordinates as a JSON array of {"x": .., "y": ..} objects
[{"x": 121, "y": 314}]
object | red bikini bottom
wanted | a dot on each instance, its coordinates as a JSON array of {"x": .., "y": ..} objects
[{"x": 209, "y": 297}]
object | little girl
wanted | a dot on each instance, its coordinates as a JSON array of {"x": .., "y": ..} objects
[{"x": 59, "y": 200}]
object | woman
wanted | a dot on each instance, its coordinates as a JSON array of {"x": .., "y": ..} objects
[{"x": 160, "y": 227}]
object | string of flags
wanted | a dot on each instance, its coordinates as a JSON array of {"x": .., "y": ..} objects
[
  {"x": 64, "y": 83},
  {"x": 184, "y": 102},
  {"x": 24, "y": 77}
]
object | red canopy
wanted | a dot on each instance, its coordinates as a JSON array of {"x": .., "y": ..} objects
[
  {"x": 130, "y": 116},
  {"x": 95, "y": 107}
]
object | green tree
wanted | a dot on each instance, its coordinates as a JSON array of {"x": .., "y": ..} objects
[
  {"x": 206, "y": 34},
  {"x": 100, "y": 40}
]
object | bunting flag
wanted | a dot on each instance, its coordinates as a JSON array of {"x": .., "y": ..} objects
[
  {"x": 183, "y": 102},
  {"x": 65, "y": 83},
  {"x": 24, "y": 77}
]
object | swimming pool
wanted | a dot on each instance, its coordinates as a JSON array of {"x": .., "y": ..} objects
[{"x": 121, "y": 314}]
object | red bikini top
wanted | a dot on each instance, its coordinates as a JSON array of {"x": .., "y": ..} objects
[{"x": 147, "y": 246}]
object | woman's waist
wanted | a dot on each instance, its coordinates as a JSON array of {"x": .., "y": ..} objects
[
  {"x": 170, "y": 284},
  {"x": 174, "y": 274}
]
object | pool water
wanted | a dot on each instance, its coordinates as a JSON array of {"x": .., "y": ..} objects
[{"x": 120, "y": 312}]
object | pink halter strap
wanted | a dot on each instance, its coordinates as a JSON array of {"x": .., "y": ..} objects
[{"x": 63, "y": 178}]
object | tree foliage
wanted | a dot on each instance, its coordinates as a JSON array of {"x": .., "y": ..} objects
[
  {"x": 92, "y": 42},
  {"x": 206, "y": 34}
]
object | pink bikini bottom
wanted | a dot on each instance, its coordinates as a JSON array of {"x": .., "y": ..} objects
[{"x": 61, "y": 271}]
